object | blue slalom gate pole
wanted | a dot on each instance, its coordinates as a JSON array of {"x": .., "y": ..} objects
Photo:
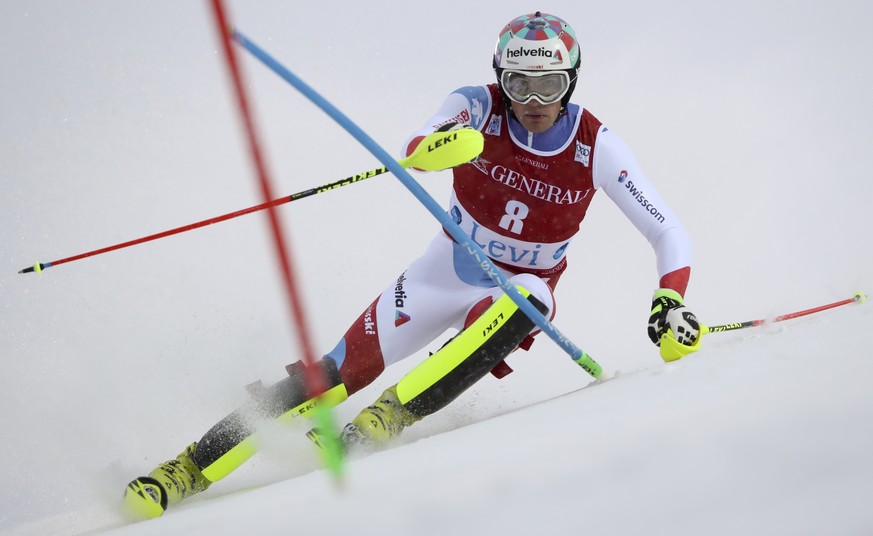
[{"x": 577, "y": 354}]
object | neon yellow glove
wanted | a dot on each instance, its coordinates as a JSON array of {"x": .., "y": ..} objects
[{"x": 672, "y": 326}]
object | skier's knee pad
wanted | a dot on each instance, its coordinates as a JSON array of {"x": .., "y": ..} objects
[
  {"x": 468, "y": 357},
  {"x": 538, "y": 288}
]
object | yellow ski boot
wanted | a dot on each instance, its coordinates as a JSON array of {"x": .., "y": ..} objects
[
  {"x": 172, "y": 481},
  {"x": 378, "y": 424}
]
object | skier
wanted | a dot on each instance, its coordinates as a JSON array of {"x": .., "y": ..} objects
[{"x": 522, "y": 201}]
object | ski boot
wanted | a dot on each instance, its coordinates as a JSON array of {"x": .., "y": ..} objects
[
  {"x": 375, "y": 425},
  {"x": 169, "y": 483}
]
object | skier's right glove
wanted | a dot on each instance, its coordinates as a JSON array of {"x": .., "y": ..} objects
[
  {"x": 473, "y": 143},
  {"x": 672, "y": 326}
]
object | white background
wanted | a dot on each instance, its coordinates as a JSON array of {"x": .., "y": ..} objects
[{"x": 754, "y": 120}]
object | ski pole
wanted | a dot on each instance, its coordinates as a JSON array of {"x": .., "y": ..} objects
[
  {"x": 858, "y": 297},
  {"x": 434, "y": 155}
]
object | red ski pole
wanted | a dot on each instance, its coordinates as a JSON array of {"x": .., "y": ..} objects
[
  {"x": 858, "y": 297},
  {"x": 430, "y": 155},
  {"x": 40, "y": 266}
]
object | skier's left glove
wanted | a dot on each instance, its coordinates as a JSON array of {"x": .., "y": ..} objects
[{"x": 672, "y": 326}]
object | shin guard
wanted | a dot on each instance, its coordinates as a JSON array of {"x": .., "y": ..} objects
[
  {"x": 234, "y": 439},
  {"x": 468, "y": 357}
]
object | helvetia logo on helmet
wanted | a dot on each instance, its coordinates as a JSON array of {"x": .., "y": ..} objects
[{"x": 540, "y": 52}]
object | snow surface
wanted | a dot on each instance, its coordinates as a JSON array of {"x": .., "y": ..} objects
[{"x": 753, "y": 119}]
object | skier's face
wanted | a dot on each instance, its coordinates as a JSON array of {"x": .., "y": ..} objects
[{"x": 535, "y": 116}]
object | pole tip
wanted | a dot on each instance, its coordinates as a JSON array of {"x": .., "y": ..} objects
[
  {"x": 860, "y": 297},
  {"x": 38, "y": 267}
]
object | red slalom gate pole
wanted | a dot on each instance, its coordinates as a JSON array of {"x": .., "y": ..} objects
[
  {"x": 316, "y": 381},
  {"x": 858, "y": 297}
]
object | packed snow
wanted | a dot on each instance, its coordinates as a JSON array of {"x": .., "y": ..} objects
[{"x": 754, "y": 121}]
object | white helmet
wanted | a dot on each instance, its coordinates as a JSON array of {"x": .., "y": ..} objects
[{"x": 538, "y": 43}]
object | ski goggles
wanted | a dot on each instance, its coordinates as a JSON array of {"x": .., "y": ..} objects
[{"x": 546, "y": 86}]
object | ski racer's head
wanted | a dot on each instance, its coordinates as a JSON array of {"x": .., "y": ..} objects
[{"x": 536, "y": 61}]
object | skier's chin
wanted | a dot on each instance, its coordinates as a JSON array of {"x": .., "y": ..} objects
[
  {"x": 536, "y": 117},
  {"x": 537, "y": 123}
]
